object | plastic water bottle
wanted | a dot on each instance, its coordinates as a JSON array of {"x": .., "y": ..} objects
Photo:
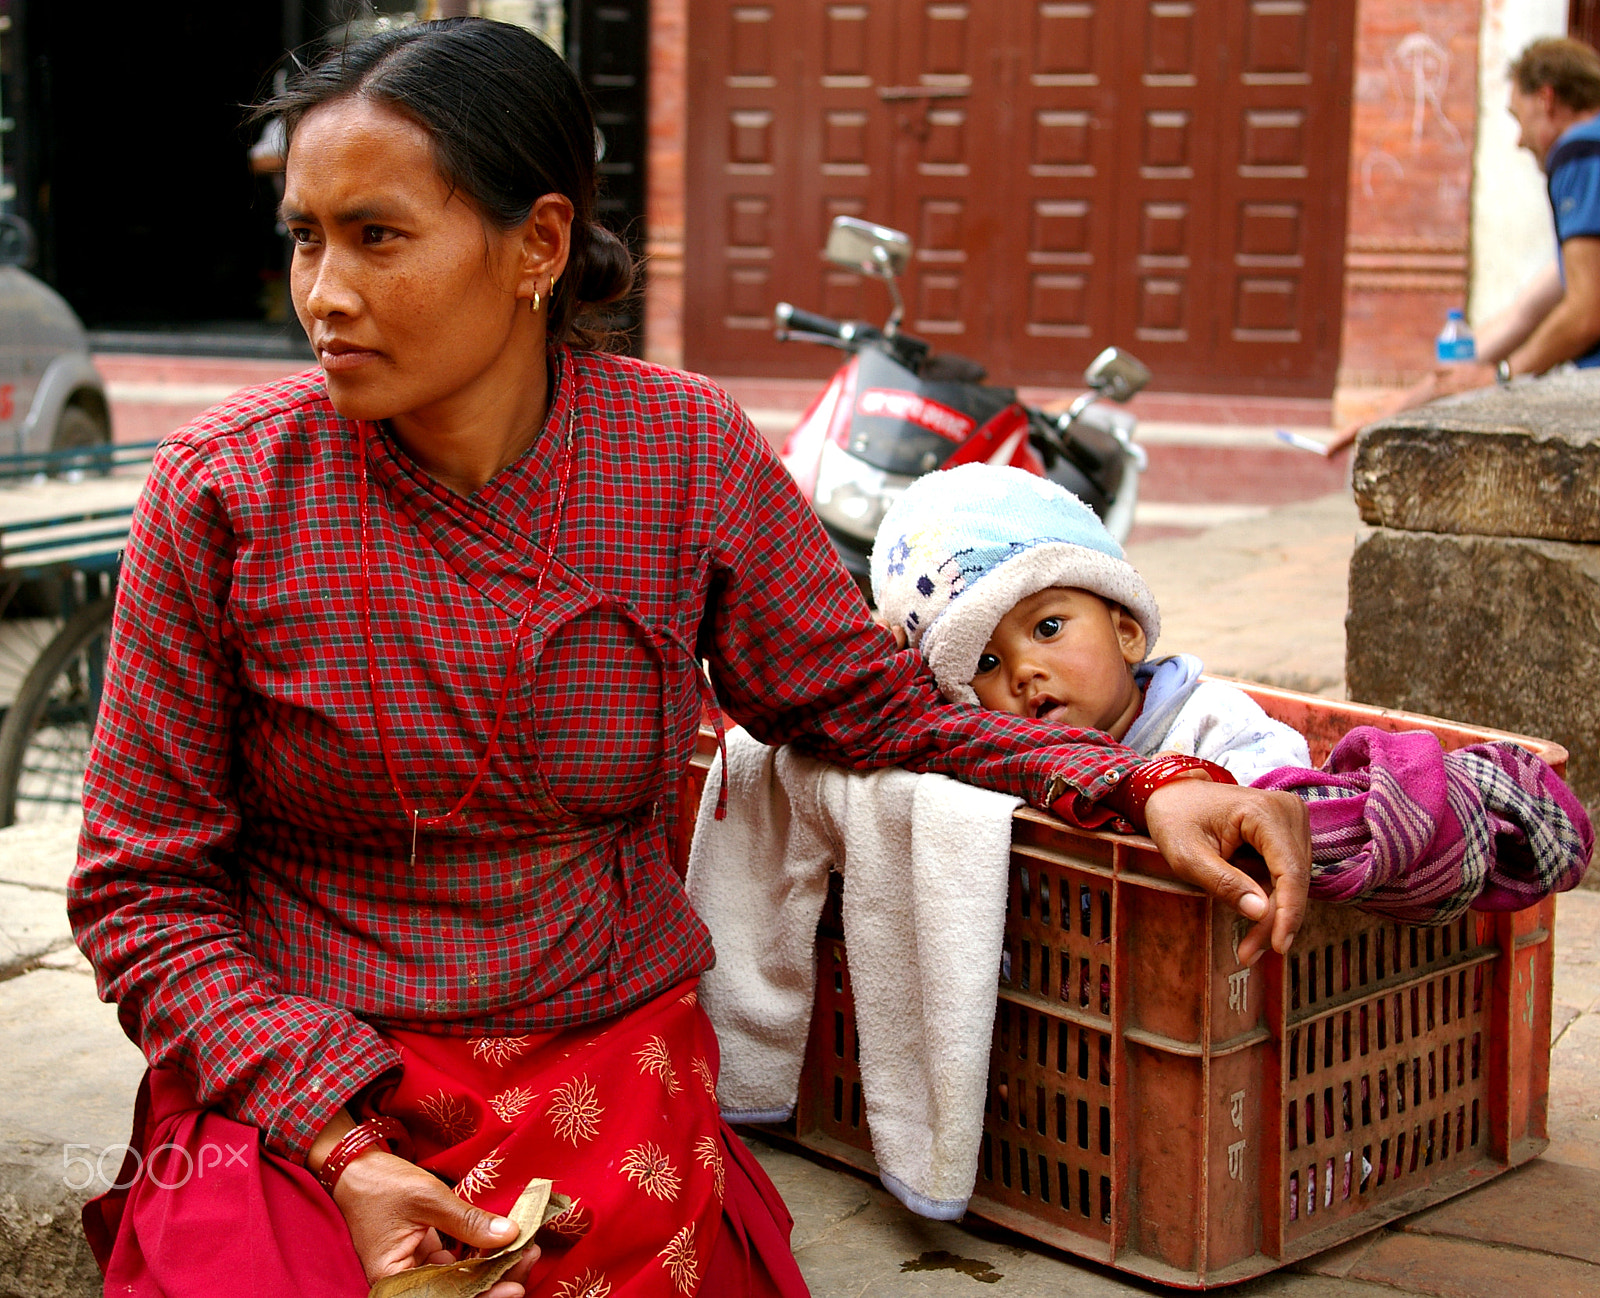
[{"x": 1455, "y": 343}]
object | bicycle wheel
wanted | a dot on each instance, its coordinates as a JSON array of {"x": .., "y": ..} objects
[{"x": 44, "y": 741}]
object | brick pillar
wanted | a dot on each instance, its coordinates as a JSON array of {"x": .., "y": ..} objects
[
  {"x": 1412, "y": 132},
  {"x": 665, "y": 202}
]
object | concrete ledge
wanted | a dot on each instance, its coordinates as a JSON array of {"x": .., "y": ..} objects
[
  {"x": 1518, "y": 461},
  {"x": 1493, "y": 631}
]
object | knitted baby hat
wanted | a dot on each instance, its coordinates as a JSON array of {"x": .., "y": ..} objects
[{"x": 962, "y": 547}]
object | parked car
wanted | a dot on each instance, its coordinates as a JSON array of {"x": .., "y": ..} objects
[
  {"x": 52, "y": 400},
  {"x": 51, "y": 396}
]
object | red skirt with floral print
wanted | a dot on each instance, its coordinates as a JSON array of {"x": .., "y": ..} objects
[{"x": 621, "y": 1115}]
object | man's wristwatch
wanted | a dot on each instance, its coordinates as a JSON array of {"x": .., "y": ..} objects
[{"x": 1502, "y": 373}]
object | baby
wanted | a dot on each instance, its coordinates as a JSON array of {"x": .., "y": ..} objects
[{"x": 1020, "y": 601}]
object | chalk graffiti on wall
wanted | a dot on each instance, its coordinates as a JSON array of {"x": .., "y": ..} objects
[
  {"x": 1418, "y": 75},
  {"x": 1419, "y": 68},
  {"x": 1372, "y": 161}
]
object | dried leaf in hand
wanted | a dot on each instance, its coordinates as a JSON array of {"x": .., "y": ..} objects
[
  {"x": 456, "y": 1280},
  {"x": 474, "y": 1276}
]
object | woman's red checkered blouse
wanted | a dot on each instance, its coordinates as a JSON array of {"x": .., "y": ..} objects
[{"x": 244, "y": 885}]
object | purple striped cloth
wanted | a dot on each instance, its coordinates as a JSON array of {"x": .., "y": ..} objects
[{"x": 1402, "y": 828}]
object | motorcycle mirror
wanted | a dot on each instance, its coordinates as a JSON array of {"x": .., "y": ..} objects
[
  {"x": 867, "y": 248},
  {"x": 1116, "y": 374}
]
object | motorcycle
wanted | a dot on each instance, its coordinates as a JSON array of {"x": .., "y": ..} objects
[{"x": 896, "y": 410}]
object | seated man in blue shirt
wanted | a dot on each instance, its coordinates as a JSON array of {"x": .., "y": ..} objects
[{"x": 1555, "y": 97}]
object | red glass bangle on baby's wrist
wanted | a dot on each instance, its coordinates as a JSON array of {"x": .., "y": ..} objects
[
  {"x": 357, "y": 1141},
  {"x": 1133, "y": 791}
]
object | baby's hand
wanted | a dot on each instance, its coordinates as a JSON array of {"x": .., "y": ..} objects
[{"x": 898, "y": 632}]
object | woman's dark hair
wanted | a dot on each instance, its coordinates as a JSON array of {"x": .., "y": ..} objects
[{"x": 509, "y": 123}]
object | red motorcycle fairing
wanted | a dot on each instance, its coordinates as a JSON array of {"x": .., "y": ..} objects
[
  {"x": 1002, "y": 440},
  {"x": 826, "y": 419},
  {"x": 914, "y": 408}
]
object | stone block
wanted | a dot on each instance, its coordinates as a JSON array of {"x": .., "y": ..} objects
[
  {"x": 1518, "y": 461},
  {"x": 40, "y": 855},
  {"x": 1577, "y": 977},
  {"x": 1263, "y": 599},
  {"x": 1493, "y": 631},
  {"x": 35, "y": 861},
  {"x": 1340, "y": 1260}
]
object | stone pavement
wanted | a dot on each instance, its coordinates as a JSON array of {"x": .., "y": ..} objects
[
  {"x": 1263, "y": 598},
  {"x": 68, "y": 1074}
]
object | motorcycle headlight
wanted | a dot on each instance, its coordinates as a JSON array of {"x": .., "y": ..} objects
[{"x": 851, "y": 495}]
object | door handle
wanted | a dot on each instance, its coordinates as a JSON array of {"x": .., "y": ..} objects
[{"x": 890, "y": 94}]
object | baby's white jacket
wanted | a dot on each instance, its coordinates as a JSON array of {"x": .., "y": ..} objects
[{"x": 1210, "y": 719}]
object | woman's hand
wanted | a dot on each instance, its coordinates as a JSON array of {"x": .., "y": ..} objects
[
  {"x": 396, "y": 1212},
  {"x": 1198, "y": 825}
]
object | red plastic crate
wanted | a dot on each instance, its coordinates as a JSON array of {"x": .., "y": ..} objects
[{"x": 1175, "y": 1116}]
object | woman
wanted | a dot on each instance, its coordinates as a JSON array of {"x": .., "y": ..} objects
[{"x": 405, "y": 664}]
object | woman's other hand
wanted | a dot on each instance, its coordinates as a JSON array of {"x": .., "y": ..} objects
[
  {"x": 397, "y": 1212},
  {"x": 1198, "y": 825}
]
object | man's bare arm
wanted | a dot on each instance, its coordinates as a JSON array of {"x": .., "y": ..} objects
[
  {"x": 1545, "y": 318},
  {"x": 1572, "y": 327},
  {"x": 1568, "y": 331},
  {"x": 1504, "y": 332}
]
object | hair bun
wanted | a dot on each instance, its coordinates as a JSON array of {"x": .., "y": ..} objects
[{"x": 606, "y": 274}]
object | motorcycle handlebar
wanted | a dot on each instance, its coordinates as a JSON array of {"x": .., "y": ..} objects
[
  {"x": 792, "y": 319},
  {"x": 847, "y": 335}
]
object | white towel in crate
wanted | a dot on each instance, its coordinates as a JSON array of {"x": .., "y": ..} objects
[{"x": 925, "y": 865}]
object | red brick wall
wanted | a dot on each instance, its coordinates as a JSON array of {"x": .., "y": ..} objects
[
  {"x": 1414, "y": 121},
  {"x": 665, "y": 205}
]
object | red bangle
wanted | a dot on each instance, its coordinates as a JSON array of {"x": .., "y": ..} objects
[
  {"x": 357, "y": 1141},
  {"x": 1133, "y": 791}
]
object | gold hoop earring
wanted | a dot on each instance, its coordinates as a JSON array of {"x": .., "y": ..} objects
[{"x": 534, "y": 305}]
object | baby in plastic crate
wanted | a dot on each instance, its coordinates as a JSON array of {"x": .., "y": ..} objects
[{"x": 1019, "y": 600}]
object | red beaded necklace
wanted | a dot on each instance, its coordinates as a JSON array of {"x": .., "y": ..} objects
[{"x": 513, "y": 652}]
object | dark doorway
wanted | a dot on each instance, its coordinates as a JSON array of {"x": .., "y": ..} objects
[
  {"x": 133, "y": 163},
  {"x": 130, "y": 157},
  {"x": 608, "y": 47}
]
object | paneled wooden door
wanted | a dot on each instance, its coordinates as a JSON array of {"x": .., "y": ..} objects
[{"x": 1164, "y": 174}]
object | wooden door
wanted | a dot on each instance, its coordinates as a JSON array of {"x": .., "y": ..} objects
[
  {"x": 786, "y": 132},
  {"x": 944, "y": 168},
  {"x": 1168, "y": 175},
  {"x": 1283, "y": 99},
  {"x": 1057, "y": 294},
  {"x": 1583, "y": 21}
]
